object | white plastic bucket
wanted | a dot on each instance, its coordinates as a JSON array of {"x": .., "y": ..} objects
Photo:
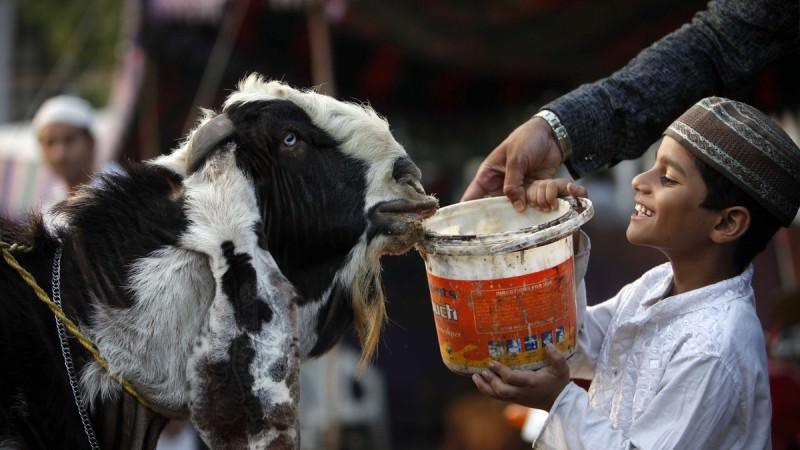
[{"x": 502, "y": 282}]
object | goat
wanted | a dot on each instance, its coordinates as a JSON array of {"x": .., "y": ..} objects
[{"x": 203, "y": 278}]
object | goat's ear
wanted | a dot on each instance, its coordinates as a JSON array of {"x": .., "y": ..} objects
[{"x": 208, "y": 136}]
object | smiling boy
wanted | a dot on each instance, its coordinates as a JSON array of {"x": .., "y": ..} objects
[{"x": 677, "y": 358}]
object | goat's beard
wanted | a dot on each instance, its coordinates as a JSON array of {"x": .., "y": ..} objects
[
  {"x": 366, "y": 288},
  {"x": 369, "y": 308}
]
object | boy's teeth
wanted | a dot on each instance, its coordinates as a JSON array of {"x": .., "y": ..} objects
[{"x": 642, "y": 211}]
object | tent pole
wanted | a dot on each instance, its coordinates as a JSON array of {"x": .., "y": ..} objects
[
  {"x": 7, "y": 19},
  {"x": 321, "y": 58}
]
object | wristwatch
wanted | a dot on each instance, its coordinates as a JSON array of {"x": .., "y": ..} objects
[{"x": 562, "y": 138}]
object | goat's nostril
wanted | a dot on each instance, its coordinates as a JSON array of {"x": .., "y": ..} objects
[
  {"x": 413, "y": 182},
  {"x": 406, "y": 172},
  {"x": 418, "y": 186}
]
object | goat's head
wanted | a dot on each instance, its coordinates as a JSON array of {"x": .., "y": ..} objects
[
  {"x": 205, "y": 276},
  {"x": 335, "y": 190}
]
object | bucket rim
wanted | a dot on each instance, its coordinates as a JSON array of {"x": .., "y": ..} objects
[{"x": 580, "y": 211}]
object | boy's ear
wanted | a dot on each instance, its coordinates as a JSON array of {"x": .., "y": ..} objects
[{"x": 731, "y": 224}]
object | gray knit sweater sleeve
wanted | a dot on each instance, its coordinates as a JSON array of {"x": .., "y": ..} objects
[{"x": 721, "y": 49}]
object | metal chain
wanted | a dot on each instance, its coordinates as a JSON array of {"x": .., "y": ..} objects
[{"x": 65, "y": 352}]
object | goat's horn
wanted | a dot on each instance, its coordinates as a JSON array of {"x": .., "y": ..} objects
[{"x": 208, "y": 136}]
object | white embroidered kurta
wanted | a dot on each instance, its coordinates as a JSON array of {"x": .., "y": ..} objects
[{"x": 683, "y": 372}]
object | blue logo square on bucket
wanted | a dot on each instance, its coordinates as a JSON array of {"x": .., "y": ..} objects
[
  {"x": 547, "y": 338},
  {"x": 496, "y": 348},
  {"x": 514, "y": 346},
  {"x": 531, "y": 343},
  {"x": 561, "y": 336}
]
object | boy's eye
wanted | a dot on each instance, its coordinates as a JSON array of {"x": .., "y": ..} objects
[{"x": 666, "y": 180}]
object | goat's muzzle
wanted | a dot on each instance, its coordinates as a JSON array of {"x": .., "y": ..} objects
[{"x": 400, "y": 221}]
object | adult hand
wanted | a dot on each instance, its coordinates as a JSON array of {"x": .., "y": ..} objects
[
  {"x": 532, "y": 388},
  {"x": 530, "y": 152}
]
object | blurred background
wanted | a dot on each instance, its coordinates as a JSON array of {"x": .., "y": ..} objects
[{"x": 453, "y": 77}]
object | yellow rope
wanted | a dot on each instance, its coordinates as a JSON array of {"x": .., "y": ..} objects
[{"x": 68, "y": 323}]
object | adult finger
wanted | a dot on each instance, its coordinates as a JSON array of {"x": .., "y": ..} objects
[
  {"x": 522, "y": 152},
  {"x": 514, "y": 183},
  {"x": 487, "y": 181}
]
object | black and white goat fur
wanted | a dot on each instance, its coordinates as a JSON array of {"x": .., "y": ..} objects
[{"x": 205, "y": 277}]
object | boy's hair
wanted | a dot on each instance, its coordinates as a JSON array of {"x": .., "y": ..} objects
[
  {"x": 722, "y": 193},
  {"x": 746, "y": 148}
]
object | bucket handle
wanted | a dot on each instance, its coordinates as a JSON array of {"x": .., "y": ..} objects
[{"x": 580, "y": 212}]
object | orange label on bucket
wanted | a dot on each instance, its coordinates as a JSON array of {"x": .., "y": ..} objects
[{"x": 508, "y": 319}]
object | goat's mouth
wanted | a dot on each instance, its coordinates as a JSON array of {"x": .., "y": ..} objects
[{"x": 400, "y": 222}]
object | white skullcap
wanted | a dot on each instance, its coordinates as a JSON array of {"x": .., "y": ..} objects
[{"x": 65, "y": 109}]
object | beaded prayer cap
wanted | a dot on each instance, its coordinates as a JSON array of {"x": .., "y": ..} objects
[{"x": 748, "y": 148}]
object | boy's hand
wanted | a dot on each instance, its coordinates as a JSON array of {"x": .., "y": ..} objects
[
  {"x": 532, "y": 388},
  {"x": 543, "y": 194}
]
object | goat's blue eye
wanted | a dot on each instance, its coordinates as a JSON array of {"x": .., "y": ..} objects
[{"x": 290, "y": 139}]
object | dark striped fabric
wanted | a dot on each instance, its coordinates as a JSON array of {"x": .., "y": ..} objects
[{"x": 748, "y": 148}]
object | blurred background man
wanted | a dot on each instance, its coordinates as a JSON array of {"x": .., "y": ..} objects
[{"x": 64, "y": 130}]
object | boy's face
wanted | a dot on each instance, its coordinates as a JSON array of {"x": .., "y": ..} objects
[{"x": 667, "y": 213}]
